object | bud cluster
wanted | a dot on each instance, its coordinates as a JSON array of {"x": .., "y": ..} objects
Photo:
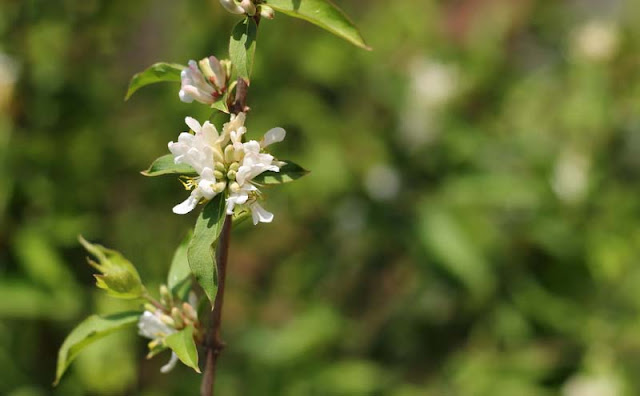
[
  {"x": 205, "y": 81},
  {"x": 163, "y": 318}
]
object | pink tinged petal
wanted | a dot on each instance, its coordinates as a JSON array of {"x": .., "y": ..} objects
[
  {"x": 232, "y": 7},
  {"x": 170, "y": 365},
  {"x": 188, "y": 204},
  {"x": 218, "y": 73},
  {"x": 275, "y": 135},
  {"x": 259, "y": 214}
]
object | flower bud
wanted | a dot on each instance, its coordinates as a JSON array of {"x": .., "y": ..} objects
[
  {"x": 217, "y": 154},
  {"x": 266, "y": 12},
  {"x": 231, "y": 175},
  {"x": 150, "y": 307},
  {"x": 218, "y": 175},
  {"x": 234, "y": 166},
  {"x": 219, "y": 166},
  {"x": 165, "y": 295},
  {"x": 189, "y": 311},
  {"x": 232, "y": 7},
  {"x": 248, "y": 7},
  {"x": 229, "y": 154},
  {"x": 219, "y": 187},
  {"x": 168, "y": 320},
  {"x": 234, "y": 187},
  {"x": 177, "y": 317}
]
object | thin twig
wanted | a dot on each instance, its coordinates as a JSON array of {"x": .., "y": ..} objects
[{"x": 213, "y": 341}]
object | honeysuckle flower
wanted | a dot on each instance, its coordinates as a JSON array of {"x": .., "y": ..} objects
[
  {"x": 204, "y": 81},
  {"x": 225, "y": 163},
  {"x": 153, "y": 325},
  {"x": 232, "y": 6}
]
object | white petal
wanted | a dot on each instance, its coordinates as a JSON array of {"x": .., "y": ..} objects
[
  {"x": 193, "y": 124},
  {"x": 170, "y": 365},
  {"x": 260, "y": 214},
  {"x": 188, "y": 204},
  {"x": 232, "y": 7},
  {"x": 185, "y": 97},
  {"x": 275, "y": 135}
]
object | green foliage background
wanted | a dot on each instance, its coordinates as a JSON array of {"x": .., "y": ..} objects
[{"x": 471, "y": 225}]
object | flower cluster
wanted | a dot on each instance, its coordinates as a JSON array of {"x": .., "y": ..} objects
[
  {"x": 225, "y": 164},
  {"x": 205, "y": 81},
  {"x": 159, "y": 321}
]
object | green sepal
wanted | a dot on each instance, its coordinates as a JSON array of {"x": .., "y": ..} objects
[
  {"x": 288, "y": 173},
  {"x": 221, "y": 103},
  {"x": 90, "y": 330},
  {"x": 158, "y": 72},
  {"x": 119, "y": 277},
  {"x": 242, "y": 47},
  {"x": 166, "y": 165},
  {"x": 179, "y": 276},
  {"x": 201, "y": 250},
  {"x": 322, "y": 13},
  {"x": 184, "y": 346}
]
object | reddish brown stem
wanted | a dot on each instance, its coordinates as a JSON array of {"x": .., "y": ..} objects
[{"x": 213, "y": 341}]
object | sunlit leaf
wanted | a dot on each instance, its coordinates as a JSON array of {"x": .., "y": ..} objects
[
  {"x": 158, "y": 72},
  {"x": 90, "y": 330},
  {"x": 242, "y": 47},
  {"x": 165, "y": 165},
  {"x": 288, "y": 173},
  {"x": 183, "y": 345},
  {"x": 322, "y": 13},
  {"x": 200, "y": 252},
  {"x": 119, "y": 277}
]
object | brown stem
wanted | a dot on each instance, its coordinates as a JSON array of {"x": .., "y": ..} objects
[{"x": 213, "y": 340}]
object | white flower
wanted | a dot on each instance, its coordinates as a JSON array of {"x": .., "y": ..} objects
[
  {"x": 200, "y": 150},
  {"x": 205, "y": 83},
  {"x": 223, "y": 161},
  {"x": 232, "y": 6},
  {"x": 150, "y": 325}
]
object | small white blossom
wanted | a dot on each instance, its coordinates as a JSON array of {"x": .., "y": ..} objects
[
  {"x": 224, "y": 162},
  {"x": 151, "y": 325},
  {"x": 204, "y": 81},
  {"x": 232, "y": 6}
]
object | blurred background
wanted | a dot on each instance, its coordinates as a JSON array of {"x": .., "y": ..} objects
[{"x": 471, "y": 225}]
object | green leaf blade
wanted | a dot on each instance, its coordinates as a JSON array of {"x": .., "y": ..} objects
[
  {"x": 90, "y": 330},
  {"x": 322, "y": 13},
  {"x": 180, "y": 272},
  {"x": 200, "y": 252},
  {"x": 158, "y": 72},
  {"x": 166, "y": 165},
  {"x": 242, "y": 47},
  {"x": 184, "y": 346},
  {"x": 288, "y": 173}
]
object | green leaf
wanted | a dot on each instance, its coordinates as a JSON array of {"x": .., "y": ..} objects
[
  {"x": 90, "y": 330},
  {"x": 200, "y": 252},
  {"x": 242, "y": 47},
  {"x": 165, "y": 165},
  {"x": 183, "y": 344},
  {"x": 158, "y": 72},
  {"x": 180, "y": 273},
  {"x": 322, "y": 13},
  {"x": 221, "y": 103},
  {"x": 119, "y": 277},
  {"x": 288, "y": 173}
]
